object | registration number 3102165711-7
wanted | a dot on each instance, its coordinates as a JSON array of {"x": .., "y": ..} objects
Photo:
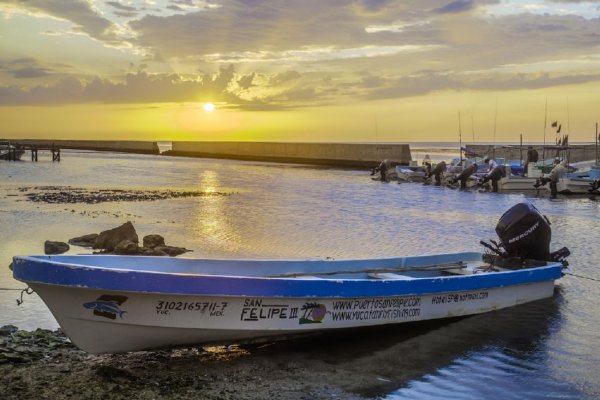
[{"x": 213, "y": 307}]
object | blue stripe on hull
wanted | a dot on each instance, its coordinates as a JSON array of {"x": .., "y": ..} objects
[{"x": 32, "y": 271}]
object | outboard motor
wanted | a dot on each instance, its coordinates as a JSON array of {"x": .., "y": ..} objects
[{"x": 525, "y": 235}]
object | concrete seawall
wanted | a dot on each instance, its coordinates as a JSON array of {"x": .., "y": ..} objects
[
  {"x": 125, "y": 146},
  {"x": 338, "y": 154},
  {"x": 577, "y": 152}
]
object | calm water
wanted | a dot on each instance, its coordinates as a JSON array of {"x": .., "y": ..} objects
[{"x": 547, "y": 349}]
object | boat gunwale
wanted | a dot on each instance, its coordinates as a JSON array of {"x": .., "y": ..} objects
[{"x": 35, "y": 270}]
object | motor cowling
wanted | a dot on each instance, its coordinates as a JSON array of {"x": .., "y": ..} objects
[{"x": 525, "y": 233}]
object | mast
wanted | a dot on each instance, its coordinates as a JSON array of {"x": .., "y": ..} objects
[
  {"x": 494, "y": 138},
  {"x": 545, "y": 123},
  {"x": 521, "y": 149},
  {"x": 597, "y": 140},
  {"x": 459, "y": 138},
  {"x": 472, "y": 129}
]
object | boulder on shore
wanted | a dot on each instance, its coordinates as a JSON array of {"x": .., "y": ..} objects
[
  {"x": 123, "y": 240},
  {"x": 172, "y": 250},
  {"x": 85, "y": 240},
  {"x": 151, "y": 241},
  {"x": 51, "y": 247},
  {"x": 127, "y": 248},
  {"x": 108, "y": 240}
]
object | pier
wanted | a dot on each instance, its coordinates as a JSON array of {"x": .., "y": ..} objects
[
  {"x": 34, "y": 152},
  {"x": 16, "y": 150}
]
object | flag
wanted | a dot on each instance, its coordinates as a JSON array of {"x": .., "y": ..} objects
[
  {"x": 554, "y": 124},
  {"x": 558, "y": 130}
]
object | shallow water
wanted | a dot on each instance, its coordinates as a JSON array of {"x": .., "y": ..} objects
[{"x": 545, "y": 349}]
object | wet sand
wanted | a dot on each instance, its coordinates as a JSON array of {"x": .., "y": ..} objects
[{"x": 43, "y": 364}]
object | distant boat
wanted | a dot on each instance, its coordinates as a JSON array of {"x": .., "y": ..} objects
[
  {"x": 578, "y": 182},
  {"x": 109, "y": 304},
  {"x": 9, "y": 151},
  {"x": 410, "y": 173}
]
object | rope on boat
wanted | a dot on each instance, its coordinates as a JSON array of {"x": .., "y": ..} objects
[
  {"x": 20, "y": 300},
  {"x": 581, "y": 276},
  {"x": 27, "y": 290}
]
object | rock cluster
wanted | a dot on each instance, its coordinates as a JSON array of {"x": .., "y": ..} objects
[
  {"x": 123, "y": 240},
  {"x": 51, "y": 247},
  {"x": 72, "y": 195},
  {"x": 21, "y": 346}
]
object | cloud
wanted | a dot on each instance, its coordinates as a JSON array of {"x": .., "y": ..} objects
[
  {"x": 120, "y": 6},
  {"x": 242, "y": 27},
  {"x": 245, "y": 82},
  {"x": 29, "y": 72},
  {"x": 456, "y": 6},
  {"x": 29, "y": 67},
  {"x": 79, "y": 12}
]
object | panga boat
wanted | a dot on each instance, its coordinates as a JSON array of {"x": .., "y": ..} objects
[{"x": 109, "y": 304}]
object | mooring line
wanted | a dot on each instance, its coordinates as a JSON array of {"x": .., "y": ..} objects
[{"x": 581, "y": 276}]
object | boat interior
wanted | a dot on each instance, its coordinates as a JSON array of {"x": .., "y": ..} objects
[{"x": 382, "y": 269}]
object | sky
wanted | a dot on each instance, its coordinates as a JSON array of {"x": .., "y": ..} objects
[{"x": 301, "y": 71}]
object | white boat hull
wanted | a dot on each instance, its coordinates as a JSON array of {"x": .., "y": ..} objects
[
  {"x": 147, "y": 320},
  {"x": 517, "y": 183},
  {"x": 572, "y": 186}
]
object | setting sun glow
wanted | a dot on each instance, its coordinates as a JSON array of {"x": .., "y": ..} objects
[{"x": 209, "y": 107}]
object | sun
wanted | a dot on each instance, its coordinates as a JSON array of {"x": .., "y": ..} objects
[{"x": 209, "y": 107}]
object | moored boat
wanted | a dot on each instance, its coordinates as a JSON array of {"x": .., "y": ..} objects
[
  {"x": 111, "y": 304},
  {"x": 9, "y": 152}
]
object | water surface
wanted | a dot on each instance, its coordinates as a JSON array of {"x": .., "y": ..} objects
[{"x": 546, "y": 349}]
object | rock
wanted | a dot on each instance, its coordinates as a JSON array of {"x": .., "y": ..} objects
[
  {"x": 7, "y": 330},
  {"x": 172, "y": 250},
  {"x": 127, "y": 248},
  {"x": 111, "y": 373},
  {"x": 152, "y": 252},
  {"x": 85, "y": 240},
  {"x": 109, "y": 239},
  {"x": 151, "y": 241},
  {"x": 55, "y": 247}
]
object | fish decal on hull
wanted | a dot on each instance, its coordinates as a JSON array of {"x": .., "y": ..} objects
[{"x": 107, "y": 306}]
